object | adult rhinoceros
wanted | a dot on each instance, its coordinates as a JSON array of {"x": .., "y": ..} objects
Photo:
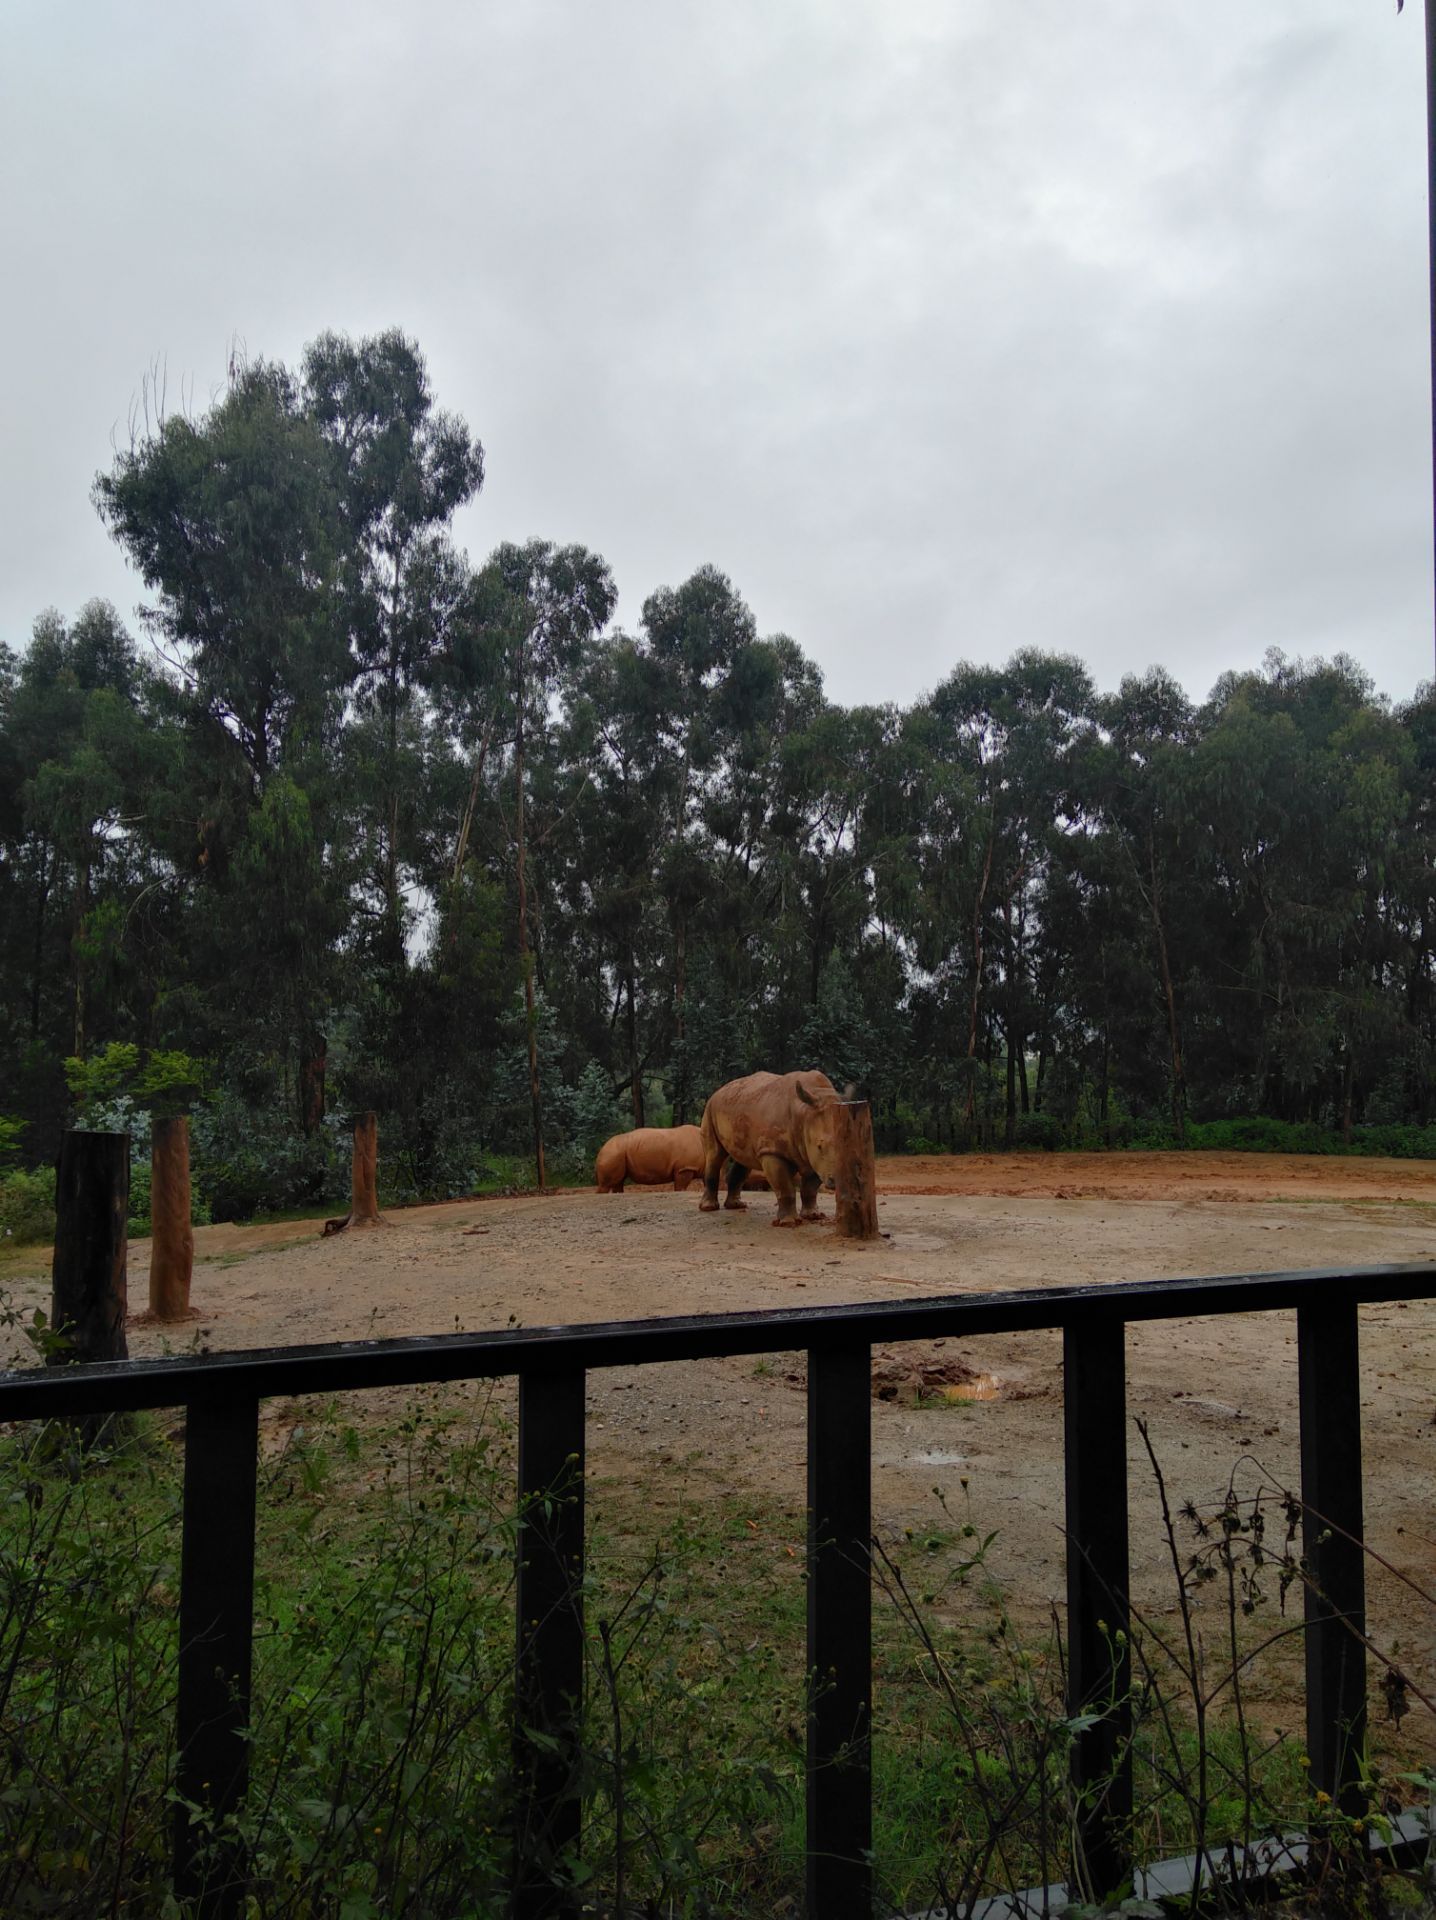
[
  {"x": 782, "y": 1122},
  {"x": 650, "y": 1157}
]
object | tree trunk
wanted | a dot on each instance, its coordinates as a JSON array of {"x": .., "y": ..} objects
[
  {"x": 467, "y": 823},
  {"x": 680, "y": 991},
  {"x": 364, "y": 1172},
  {"x": 41, "y": 899},
  {"x": 857, "y": 1212},
  {"x": 313, "y": 1060},
  {"x": 363, "y": 1178},
  {"x": 171, "y": 1232},
  {"x": 635, "y": 1076},
  {"x": 526, "y": 959},
  {"x": 1179, "y": 1083},
  {"x": 1348, "y": 1087},
  {"x": 977, "y": 967},
  {"x": 90, "y": 1278},
  {"x": 82, "y": 904}
]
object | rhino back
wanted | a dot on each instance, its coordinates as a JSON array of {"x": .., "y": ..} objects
[{"x": 658, "y": 1153}]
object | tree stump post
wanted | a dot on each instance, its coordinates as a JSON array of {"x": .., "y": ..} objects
[
  {"x": 363, "y": 1178},
  {"x": 90, "y": 1278},
  {"x": 171, "y": 1231},
  {"x": 857, "y": 1210}
]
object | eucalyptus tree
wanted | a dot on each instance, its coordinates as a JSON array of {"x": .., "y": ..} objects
[
  {"x": 544, "y": 608},
  {"x": 235, "y": 519},
  {"x": 999, "y": 748},
  {"x": 628, "y": 832},
  {"x": 691, "y": 637},
  {"x": 1416, "y": 897},
  {"x": 1141, "y": 781},
  {"x": 403, "y": 468},
  {"x": 79, "y": 748},
  {"x": 1301, "y": 776}
]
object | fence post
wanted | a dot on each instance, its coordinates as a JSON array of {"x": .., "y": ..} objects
[
  {"x": 89, "y": 1293},
  {"x": 840, "y": 1796},
  {"x": 1329, "y": 1377},
  {"x": 216, "y": 1646},
  {"x": 171, "y": 1231},
  {"x": 857, "y": 1203},
  {"x": 1099, "y": 1670},
  {"x": 548, "y": 1694}
]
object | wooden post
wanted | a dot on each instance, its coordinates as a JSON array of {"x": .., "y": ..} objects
[
  {"x": 171, "y": 1232},
  {"x": 857, "y": 1215},
  {"x": 363, "y": 1178},
  {"x": 364, "y": 1174},
  {"x": 89, "y": 1290}
]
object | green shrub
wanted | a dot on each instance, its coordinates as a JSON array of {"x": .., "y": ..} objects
[
  {"x": 1039, "y": 1130},
  {"x": 27, "y": 1206},
  {"x": 1256, "y": 1133}
]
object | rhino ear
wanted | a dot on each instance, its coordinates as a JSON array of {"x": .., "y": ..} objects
[
  {"x": 850, "y": 1091},
  {"x": 803, "y": 1094}
]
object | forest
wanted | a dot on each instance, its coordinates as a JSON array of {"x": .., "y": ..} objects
[{"x": 354, "y": 822}]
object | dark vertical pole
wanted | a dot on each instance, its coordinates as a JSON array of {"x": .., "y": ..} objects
[
  {"x": 840, "y": 1659},
  {"x": 216, "y": 1643},
  {"x": 1431, "y": 224},
  {"x": 1099, "y": 1672},
  {"x": 1329, "y": 1372},
  {"x": 548, "y": 1700},
  {"x": 89, "y": 1292}
]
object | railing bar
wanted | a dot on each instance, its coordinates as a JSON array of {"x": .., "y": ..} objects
[
  {"x": 548, "y": 1692},
  {"x": 840, "y": 1799},
  {"x": 1099, "y": 1675},
  {"x": 355, "y": 1365},
  {"x": 1329, "y": 1377},
  {"x": 216, "y": 1644}
]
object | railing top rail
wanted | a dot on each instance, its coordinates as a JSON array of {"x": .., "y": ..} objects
[{"x": 127, "y": 1385}]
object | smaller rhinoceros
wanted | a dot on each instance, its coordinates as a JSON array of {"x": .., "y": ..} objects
[{"x": 650, "y": 1157}]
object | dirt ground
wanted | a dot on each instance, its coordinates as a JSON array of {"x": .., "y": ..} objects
[{"x": 1215, "y": 1392}]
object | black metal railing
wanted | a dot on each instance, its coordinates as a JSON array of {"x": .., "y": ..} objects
[{"x": 221, "y": 1393}]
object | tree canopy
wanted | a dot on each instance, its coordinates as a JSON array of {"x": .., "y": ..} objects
[{"x": 367, "y": 824}]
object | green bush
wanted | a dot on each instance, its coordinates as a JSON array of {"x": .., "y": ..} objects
[
  {"x": 27, "y": 1206},
  {"x": 381, "y": 1775},
  {"x": 1039, "y": 1130},
  {"x": 1255, "y": 1133}
]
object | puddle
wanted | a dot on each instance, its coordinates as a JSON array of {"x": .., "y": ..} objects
[
  {"x": 928, "y": 1379},
  {"x": 982, "y": 1386}
]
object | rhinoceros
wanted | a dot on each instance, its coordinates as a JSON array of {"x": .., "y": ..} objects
[
  {"x": 650, "y": 1157},
  {"x": 782, "y": 1122}
]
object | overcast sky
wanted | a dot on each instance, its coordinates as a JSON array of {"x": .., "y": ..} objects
[{"x": 943, "y": 327}]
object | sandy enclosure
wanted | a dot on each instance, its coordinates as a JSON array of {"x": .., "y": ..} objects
[{"x": 1215, "y": 1392}]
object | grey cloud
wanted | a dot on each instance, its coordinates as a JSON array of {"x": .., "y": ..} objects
[{"x": 943, "y": 330}]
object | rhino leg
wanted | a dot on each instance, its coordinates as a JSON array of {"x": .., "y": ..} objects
[
  {"x": 735, "y": 1202},
  {"x": 780, "y": 1179},
  {"x": 811, "y": 1182},
  {"x": 712, "y": 1168}
]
